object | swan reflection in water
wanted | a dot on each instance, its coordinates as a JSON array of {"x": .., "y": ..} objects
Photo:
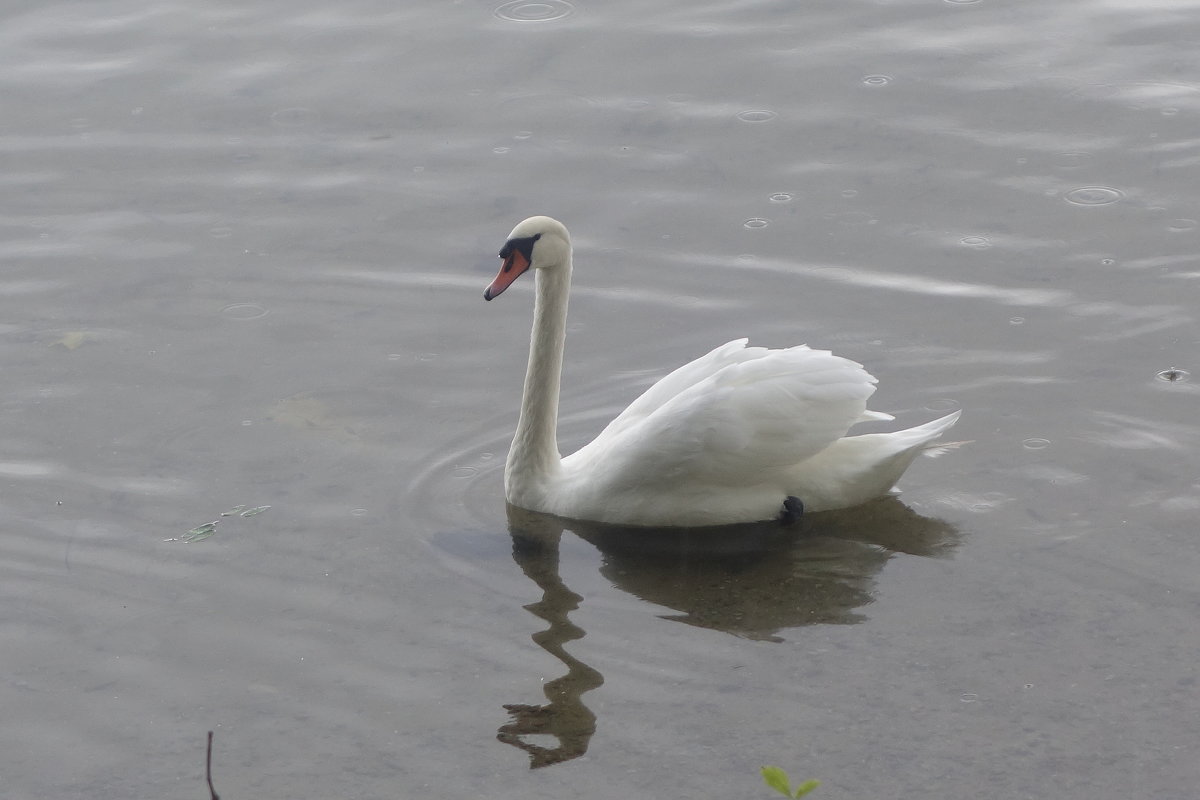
[{"x": 751, "y": 581}]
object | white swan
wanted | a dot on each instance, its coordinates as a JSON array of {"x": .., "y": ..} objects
[{"x": 742, "y": 434}]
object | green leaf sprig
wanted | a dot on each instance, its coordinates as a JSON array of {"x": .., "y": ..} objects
[{"x": 778, "y": 779}]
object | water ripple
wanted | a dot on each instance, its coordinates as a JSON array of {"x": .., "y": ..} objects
[
  {"x": 541, "y": 11},
  {"x": 1093, "y": 196},
  {"x": 761, "y": 115}
]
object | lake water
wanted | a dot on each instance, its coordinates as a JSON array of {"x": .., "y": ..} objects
[{"x": 245, "y": 245}]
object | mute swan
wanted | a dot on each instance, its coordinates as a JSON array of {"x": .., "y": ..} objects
[{"x": 742, "y": 434}]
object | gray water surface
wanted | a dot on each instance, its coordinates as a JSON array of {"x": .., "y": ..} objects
[{"x": 244, "y": 249}]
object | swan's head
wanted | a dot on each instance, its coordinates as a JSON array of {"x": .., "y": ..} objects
[{"x": 538, "y": 242}]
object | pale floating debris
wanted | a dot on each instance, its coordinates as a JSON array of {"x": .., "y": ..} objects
[
  {"x": 202, "y": 532},
  {"x": 72, "y": 339},
  {"x": 198, "y": 533}
]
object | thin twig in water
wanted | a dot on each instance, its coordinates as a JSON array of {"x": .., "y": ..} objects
[{"x": 208, "y": 769}]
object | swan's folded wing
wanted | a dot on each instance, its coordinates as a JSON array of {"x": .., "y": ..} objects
[
  {"x": 741, "y": 425},
  {"x": 682, "y": 379}
]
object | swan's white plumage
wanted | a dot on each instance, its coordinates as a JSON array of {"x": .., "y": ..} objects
[{"x": 723, "y": 439}]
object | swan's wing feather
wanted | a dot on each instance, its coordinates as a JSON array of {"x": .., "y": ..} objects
[
  {"x": 682, "y": 379},
  {"x": 757, "y": 413}
]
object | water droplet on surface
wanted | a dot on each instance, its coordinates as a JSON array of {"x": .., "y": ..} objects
[
  {"x": 522, "y": 134},
  {"x": 1093, "y": 195},
  {"x": 1174, "y": 375},
  {"x": 944, "y": 404},
  {"x": 395, "y": 357},
  {"x": 1170, "y": 111},
  {"x": 848, "y": 193},
  {"x": 968, "y": 697},
  {"x": 463, "y": 472},
  {"x": 782, "y": 197},
  {"x": 1182, "y": 225},
  {"x": 1035, "y": 444},
  {"x": 637, "y": 105},
  {"x": 501, "y": 150},
  {"x": 760, "y": 115},
  {"x": 877, "y": 80},
  {"x": 1016, "y": 320},
  {"x": 756, "y": 222},
  {"x": 246, "y": 423},
  {"x": 244, "y": 311},
  {"x": 1108, "y": 262},
  {"x": 978, "y": 242},
  {"x": 358, "y": 512},
  {"x": 547, "y": 11}
]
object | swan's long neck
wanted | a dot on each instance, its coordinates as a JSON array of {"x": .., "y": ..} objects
[{"x": 534, "y": 455}]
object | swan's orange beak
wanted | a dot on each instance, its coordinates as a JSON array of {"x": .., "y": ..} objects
[{"x": 515, "y": 262}]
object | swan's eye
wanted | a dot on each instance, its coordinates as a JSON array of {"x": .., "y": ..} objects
[{"x": 524, "y": 246}]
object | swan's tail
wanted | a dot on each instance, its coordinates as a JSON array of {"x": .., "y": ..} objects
[
  {"x": 855, "y": 469},
  {"x": 935, "y": 449},
  {"x": 922, "y": 436}
]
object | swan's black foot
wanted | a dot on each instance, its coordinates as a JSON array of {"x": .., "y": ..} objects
[{"x": 793, "y": 509}]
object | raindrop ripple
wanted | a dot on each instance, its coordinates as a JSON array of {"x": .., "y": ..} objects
[
  {"x": 545, "y": 11},
  {"x": 1094, "y": 196}
]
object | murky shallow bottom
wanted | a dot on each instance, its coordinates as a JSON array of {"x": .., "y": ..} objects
[{"x": 245, "y": 248}]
